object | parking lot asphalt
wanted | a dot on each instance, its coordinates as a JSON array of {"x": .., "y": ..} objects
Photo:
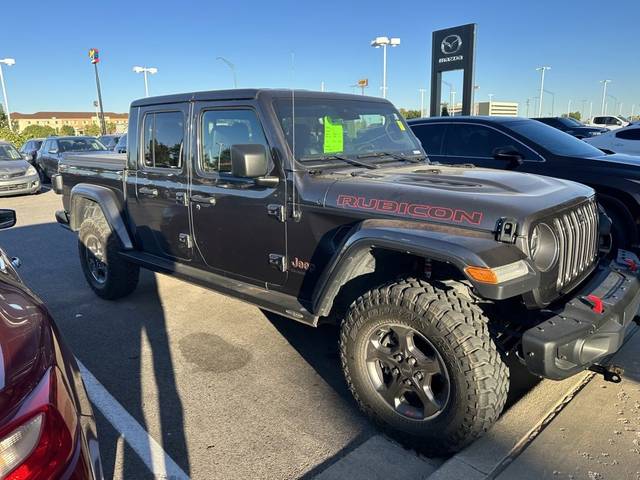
[
  {"x": 195, "y": 384},
  {"x": 227, "y": 390}
]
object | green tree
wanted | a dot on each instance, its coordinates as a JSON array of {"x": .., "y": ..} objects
[
  {"x": 67, "y": 130},
  {"x": 409, "y": 113},
  {"x": 38, "y": 131},
  {"x": 575, "y": 115},
  {"x": 92, "y": 130},
  {"x": 111, "y": 127},
  {"x": 16, "y": 138}
]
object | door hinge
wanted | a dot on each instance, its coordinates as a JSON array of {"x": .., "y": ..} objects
[
  {"x": 278, "y": 261},
  {"x": 506, "y": 230},
  {"x": 278, "y": 211},
  {"x": 185, "y": 241}
]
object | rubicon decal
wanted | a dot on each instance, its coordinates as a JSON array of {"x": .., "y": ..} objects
[{"x": 415, "y": 210}]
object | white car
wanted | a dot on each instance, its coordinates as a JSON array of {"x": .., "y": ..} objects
[
  {"x": 612, "y": 122},
  {"x": 624, "y": 140}
]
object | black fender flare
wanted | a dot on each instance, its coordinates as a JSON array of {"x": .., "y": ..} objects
[
  {"x": 451, "y": 244},
  {"x": 106, "y": 199}
]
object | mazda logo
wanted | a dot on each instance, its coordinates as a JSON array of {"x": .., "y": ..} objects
[{"x": 451, "y": 44}]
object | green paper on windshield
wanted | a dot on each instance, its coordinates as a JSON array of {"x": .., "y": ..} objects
[{"x": 333, "y": 136}]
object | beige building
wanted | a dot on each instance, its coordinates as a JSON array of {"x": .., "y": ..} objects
[
  {"x": 498, "y": 109},
  {"x": 79, "y": 121}
]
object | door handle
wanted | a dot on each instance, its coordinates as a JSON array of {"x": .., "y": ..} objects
[
  {"x": 148, "y": 192},
  {"x": 203, "y": 199}
]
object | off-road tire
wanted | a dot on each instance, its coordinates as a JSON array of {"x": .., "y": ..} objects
[
  {"x": 478, "y": 377},
  {"x": 121, "y": 276}
]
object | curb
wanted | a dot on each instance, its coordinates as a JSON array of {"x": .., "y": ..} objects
[{"x": 515, "y": 429}]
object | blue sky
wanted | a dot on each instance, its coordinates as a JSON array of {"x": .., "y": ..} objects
[{"x": 584, "y": 41}]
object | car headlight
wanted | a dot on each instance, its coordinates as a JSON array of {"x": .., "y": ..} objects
[
  {"x": 543, "y": 247},
  {"x": 31, "y": 170}
]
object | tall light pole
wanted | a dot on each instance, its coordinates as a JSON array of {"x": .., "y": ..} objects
[
  {"x": 422, "y": 90},
  {"x": 541, "y": 69},
  {"x": 233, "y": 70},
  {"x": 590, "y": 110},
  {"x": 633, "y": 108},
  {"x": 450, "y": 94},
  {"x": 569, "y": 109},
  {"x": 8, "y": 62},
  {"x": 553, "y": 100},
  {"x": 145, "y": 71},
  {"x": 383, "y": 42},
  {"x": 604, "y": 92},
  {"x": 453, "y": 101},
  {"x": 490, "y": 95}
]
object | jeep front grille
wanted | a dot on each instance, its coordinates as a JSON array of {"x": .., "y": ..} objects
[{"x": 577, "y": 231}]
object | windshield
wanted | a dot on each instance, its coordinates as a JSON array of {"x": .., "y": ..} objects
[
  {"x": 80, "y": 145},
  {"x": 554, "y": 140},
  {"x": 325, "y": 127},
  {"x": 9, "y": 152}
]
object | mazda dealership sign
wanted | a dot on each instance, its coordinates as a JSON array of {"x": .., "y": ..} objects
[{"x": 453, "y": 49}]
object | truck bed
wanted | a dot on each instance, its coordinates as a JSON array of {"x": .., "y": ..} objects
[{"x": 106, "y": 169}]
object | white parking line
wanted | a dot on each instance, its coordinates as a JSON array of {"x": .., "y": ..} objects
[{"x": 150, "y": 452}]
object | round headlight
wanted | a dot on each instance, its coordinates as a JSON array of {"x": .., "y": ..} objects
[{"x": 543, "y": 247}]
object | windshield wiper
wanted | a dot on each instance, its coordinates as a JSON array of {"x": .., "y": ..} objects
[
  {"x": 397, "y": 156},
  {"x": 351, "y": 161}
]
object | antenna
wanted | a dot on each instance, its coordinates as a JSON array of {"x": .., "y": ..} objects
[{"x": 295, "y": 212}]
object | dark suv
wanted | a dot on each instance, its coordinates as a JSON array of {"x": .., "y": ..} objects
[
  {"x": 525, "y": 145},
  {"x": 53, "y": 149},
  {"x": 572, "y": 126},
  {"x": 29, "y": 150}
]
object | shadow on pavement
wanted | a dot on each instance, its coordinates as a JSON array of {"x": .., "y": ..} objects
[{"x": 107, "y": 337}]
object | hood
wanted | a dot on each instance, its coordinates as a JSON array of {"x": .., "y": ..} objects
[
  {"x": 620, "y": 158},
  {"x": 463, "y": 195},
  {"x": 586, "y": 129},
  {"x": 11, "y": 167}
]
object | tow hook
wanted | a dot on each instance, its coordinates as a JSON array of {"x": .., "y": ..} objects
[{"x": 610, "y": 373}]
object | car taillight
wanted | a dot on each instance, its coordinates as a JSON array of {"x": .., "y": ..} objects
[{"x": 39, "y": 441}]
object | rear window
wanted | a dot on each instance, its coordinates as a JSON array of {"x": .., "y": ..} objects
[
  {"x": 163, "y": 139},
  {"x": 629, "y": 134},
  {"x": 553, "y": 140}
]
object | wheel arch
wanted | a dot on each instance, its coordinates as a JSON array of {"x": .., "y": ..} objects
[
  {"x": 449, "y": 245},
  {"x": 85, "y": 197}
]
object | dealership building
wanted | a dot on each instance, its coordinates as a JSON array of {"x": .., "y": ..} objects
[
  {"x": 497, "y": 109},
  {"x": 79, "y": 121}
]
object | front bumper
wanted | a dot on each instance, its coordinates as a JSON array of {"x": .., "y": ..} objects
[
  {"x": 21, "y": 185},
  {"x": 577, "y": 336}
]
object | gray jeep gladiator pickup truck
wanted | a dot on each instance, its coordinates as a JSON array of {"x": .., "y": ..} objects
[{"x": 323, "y": 207}]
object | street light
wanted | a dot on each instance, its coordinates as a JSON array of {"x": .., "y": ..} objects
[
  {"x": 8, "y": 62},
  {"x": 383, "y": 42},
  {"x": 422, "y": 90},
  {"x": 604, "y": 93},
  {"x": 233, "y": 70},
  {"x": 541, "y": 69},
  {"x": 145, "y": 70},
  {"x": 490, "y": 95},
  {"x": 450, "y": 94}
]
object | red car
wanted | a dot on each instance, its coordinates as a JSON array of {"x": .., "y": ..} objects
[{"x": 47, "y": 428}]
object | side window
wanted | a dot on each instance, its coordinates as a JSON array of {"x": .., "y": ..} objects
[
  {"x": 629, "y": 134},
  {"x": 220, "y": 129},
  {"x": 477, "y": 141},
  {"x": 163, "y": 139},
  {"x": 53, "y": 144},
  {"x": 598, "y": 120},
  {"x": 430, "y": 135}
]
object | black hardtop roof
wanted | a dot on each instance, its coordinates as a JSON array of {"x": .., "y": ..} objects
[
  {"x": 473, "y": 118},
  {"x": 246, "y": 94}
]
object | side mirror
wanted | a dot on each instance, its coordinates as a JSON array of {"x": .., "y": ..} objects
[
  {"x": 249, "y": 161},
  {"x": 508, "y": 154},
  {"x": 28, "y": 157},
  {"x": 7, "y": 218}
]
